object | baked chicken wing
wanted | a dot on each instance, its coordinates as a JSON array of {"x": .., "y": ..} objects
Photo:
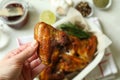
[{"x": 62, "y": 53}]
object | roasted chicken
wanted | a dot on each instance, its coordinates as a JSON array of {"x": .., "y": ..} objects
[{"x": 62, "y": 53}]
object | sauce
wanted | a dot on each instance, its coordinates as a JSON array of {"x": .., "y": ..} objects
[{"x": 101, "y": 3}]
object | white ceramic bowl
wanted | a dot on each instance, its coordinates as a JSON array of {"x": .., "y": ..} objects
[
  {"x": 109, "y": 4},
  {"x": 90, "y": 5},
  {"x": 22, "y": 20},
  {"x": 103, "y": 40}
]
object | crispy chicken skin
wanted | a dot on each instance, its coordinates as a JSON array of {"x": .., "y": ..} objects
[
  {"x": 49, "y": 39},
  {"x": 62, "y": 53}
]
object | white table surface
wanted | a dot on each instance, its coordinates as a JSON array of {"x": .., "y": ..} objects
[{"x": 110, "y": 21}]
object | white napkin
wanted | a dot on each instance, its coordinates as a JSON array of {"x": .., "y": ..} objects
[{"x": 107, "y": 67}]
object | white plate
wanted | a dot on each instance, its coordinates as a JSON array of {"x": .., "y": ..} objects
[{"x": 4, "y": 38}]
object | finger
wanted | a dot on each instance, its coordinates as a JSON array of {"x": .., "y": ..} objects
[
  {"x": 26, "y": 72},
  {"x": 34, "y": 56},
  {"x": 35, "y": 63},
  {"x": 16, "y": 51},
  {"x": 37, "y": 70},
  {"x": 26, "y": 53}
]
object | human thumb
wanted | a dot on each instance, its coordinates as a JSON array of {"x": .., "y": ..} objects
[{"x": 28, "y": 52}]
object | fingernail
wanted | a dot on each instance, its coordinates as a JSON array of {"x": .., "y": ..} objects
[{"x": 34, "y": 43}]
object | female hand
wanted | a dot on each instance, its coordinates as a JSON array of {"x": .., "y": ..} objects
[{"x": 21, "y": 63}]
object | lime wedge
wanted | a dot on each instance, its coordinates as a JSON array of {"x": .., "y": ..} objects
[{"x": 48, "y": 17}]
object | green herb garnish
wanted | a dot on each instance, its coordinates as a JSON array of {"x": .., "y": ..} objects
[{"x": 74, "y": 30}]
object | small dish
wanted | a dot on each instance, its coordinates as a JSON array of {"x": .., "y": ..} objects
[
  {"x": 85, "y": 8},
  {"x": 92, "y": 10},
  {"x": 16, "y": 21},
  {"x": 106, "y": 7},
  {"x": 61, "y": 7}
]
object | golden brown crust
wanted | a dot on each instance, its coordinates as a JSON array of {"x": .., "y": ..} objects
[
  {"x": 62, "y": 53},
  {"x": 42, "y": 35}
]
